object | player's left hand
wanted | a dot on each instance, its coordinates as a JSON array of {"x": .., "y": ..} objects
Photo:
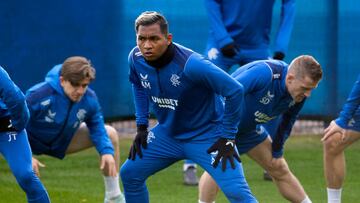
[
  {"x": 226, "y": 150},
  {"x": 332, "y": 129},
  {"x": 108, "y": 165}
]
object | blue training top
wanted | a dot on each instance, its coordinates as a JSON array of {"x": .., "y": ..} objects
[
  {"x": 266, "y": 98},
  {"x": 248, "y": 23},
  {"x": 12, "y": 102},
  {"x": 351, "y": 106},
  {"x": 183, "y": 89},
  {"x": 55, "y": 118}
]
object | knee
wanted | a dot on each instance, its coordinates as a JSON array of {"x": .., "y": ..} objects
[
  {"x": 129, "y": 174},
  {"x": 333, "y": 145},
  {"x": 279, "y": 170},
  {"x": 113, "y": 135},
  {"x": 242, "y": 192},
  {"x": 25, "y": 178}
]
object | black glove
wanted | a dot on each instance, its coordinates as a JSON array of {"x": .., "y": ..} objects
[
  {"x": 278, "y": 55},
  {"x": 226, "y": 150},
  {"x": 140, "y": 139},
  {"x": 229, "y": 50}
]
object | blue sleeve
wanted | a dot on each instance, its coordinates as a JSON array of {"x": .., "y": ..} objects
[
  {"x": 286, "y": 24},
  {"x": 98, "y": 134},
  {"x": 14, "y": 100},
  {"x": 220, "y": 33},
  {"x": 283, "y": 131},
  {"x": 141, "y": 98},
  {"x": 351, "y": 105},
  {"x": 253, "y": 76},
  {"x": 205, "y": 73}
]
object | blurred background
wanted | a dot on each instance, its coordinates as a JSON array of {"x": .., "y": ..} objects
[{"x": 36, "y": 35}]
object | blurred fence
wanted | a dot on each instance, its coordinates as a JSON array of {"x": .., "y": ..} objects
[{"x": 35, "y": 35}]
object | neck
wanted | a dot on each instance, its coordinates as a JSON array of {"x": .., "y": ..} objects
[{"x": 164, "y": 59}]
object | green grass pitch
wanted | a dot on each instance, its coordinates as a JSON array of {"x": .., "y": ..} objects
[{"x": 77, "y": 179}]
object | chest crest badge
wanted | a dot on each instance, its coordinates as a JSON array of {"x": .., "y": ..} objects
[{"x": 175, "y": 80}]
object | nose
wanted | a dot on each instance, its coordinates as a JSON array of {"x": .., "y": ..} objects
[
  {"x": 147, "y": 44},
  {"x": 81, "y": 90}
]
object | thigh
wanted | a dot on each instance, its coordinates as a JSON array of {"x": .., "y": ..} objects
[
  {"x": 16, "y": 151},
  {"x": 197, "y": 151},
  {"x": 162, "y": 151},
  {"x": 80, "y": 141},
  {"x": 262, "y": 153}
]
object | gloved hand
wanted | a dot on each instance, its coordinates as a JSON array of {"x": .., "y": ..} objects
[
  {"x": 140, "y": 139},
  {"x": 278, "y": 55},
  {"x": 226, "y": 150},
  {"x": 229, "y": 50}
]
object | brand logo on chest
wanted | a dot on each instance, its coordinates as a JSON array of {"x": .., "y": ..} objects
[{"x": 144, "y": 81}]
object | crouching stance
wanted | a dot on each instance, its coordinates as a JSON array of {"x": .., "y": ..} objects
[{"x": 274, "y": 93}]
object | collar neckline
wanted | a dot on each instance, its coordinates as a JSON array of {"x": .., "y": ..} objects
[{"x": 164, "y": 59}]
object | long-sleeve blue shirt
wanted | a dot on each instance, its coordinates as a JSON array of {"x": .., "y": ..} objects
[
  {"x": 184, "y": 95},
  {"x": 248, "y": 23},
  {"x": 55, "y": 118},
  {"x": 266, "y": 97},
  {"x": 351, "y": 106},
  {"x": 12, "y": 102}
]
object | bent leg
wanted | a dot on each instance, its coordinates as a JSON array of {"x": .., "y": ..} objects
[
  {"x": 17, "y": 153},
  {"x": 161, "y": 152},
  {"x": 334, "y": 158},
  {"x": 231, "y": 181},
  {"x": 208, "y": 188},
  {"x": 288, "y": 185}
]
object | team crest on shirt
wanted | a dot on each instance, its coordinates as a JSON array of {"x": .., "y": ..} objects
[
  {"x": 144, "y": 81},
  {"x": 150, "y": 137},
  {"x": 81, "y": 115},
  {"x": 267, "y": 98},
  {"x": 175, "y": 80}
]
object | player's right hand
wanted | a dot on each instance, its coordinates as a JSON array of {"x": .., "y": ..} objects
[
  {"x": 225, "y": 149},
  {"x": 139, "y": 141},
  {"x": 229, "y": 50},
  {"x": 332, "y": 129},
  {"x": 36, "y": 164}
]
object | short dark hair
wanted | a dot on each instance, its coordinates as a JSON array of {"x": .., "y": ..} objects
[
  {"x": 151, "y": 17},
  {"x": 306, "y": 65},
  {"x": 77, "y": 68}
]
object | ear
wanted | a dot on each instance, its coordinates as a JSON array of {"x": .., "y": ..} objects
[
  {"x": 169, "y": 38},
  {"x": 290, "y": 77},
  {"x": 62, "y": 81}
]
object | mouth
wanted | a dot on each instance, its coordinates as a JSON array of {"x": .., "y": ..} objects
[{"x": 148, "y": 54}]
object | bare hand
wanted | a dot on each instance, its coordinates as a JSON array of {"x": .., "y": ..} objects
[
  {"x": 36, "y": 165},
  {"x": 108, "y": 165},
  {"x": 333, "y": 129}
]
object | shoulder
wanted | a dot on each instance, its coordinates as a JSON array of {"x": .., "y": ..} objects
[
  {"x": 39, "y": 92},
  {"x": 134, "y": 55},
  {"x": 182, "y": 55}
]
